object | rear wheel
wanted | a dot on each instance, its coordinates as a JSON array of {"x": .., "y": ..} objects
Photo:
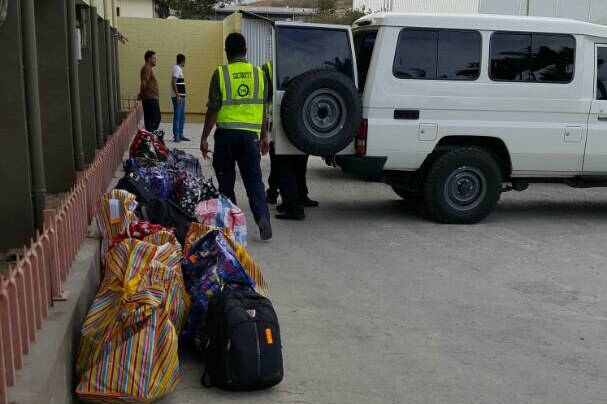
[{"x": 462, "y": 186}]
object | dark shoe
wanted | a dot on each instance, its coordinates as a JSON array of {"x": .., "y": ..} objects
[
  {"x": 272, "y": 197},
  {"x": 281, "y": 208},
  {"x": 310, "y": 203},
  {"x": 184, "y": 139},
  {"x": 265, "y": 229},
  {"x": 290, "y": 216},
  {"x": 176, "y": 140}
]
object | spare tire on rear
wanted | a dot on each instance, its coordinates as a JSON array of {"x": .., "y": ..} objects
[{"x": 321, "y": 112}]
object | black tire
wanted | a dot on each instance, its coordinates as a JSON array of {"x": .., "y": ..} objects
[
  {"x": 321, "y": 112},
  {"x": 462, "y": 186}
]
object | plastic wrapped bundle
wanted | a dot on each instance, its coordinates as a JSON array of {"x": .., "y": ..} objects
[
  {"x": 114, "y": 213},
  {"x": 169, "y": 255},
  {"x": 209, "y": 262},
  {"x": 128, "y": 349},
  {"x": 222, "y": 213}
]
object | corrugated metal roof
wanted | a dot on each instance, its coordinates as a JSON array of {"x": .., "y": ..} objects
[{"x": 258, "y": 34}]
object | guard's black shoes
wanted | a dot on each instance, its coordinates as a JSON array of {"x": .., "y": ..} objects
[
  {"x": 265, "y": 229},
  {"x": 290, "y": 216}
]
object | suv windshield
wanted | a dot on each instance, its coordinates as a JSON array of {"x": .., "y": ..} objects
[
  {"x": 299, "y": 49},
  {"x": 364, "y": 42}
]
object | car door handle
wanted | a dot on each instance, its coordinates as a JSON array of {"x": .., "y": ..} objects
[{"x": 602, "y": 118}]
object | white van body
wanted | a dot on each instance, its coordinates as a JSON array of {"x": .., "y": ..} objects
[
  {"x": 549, "y": 129},
  {"x": 525, "y": 98}
]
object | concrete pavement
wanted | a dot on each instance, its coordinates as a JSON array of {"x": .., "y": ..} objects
[{"x": 379, "y": 305}]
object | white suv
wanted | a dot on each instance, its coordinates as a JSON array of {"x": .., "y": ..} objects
[{"x": 453, "y": 106}]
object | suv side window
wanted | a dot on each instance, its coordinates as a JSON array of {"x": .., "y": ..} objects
[
  {"x": 301, "y": 49},
  {"x": 601, "y": 73},
  {"x": 531, "y": 57},
  {"x": 438, "y": 54}
]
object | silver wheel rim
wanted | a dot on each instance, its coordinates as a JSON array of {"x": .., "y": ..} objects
[
  {"x": 324, "y": 113},
  {"x": 465, "y": 188}
]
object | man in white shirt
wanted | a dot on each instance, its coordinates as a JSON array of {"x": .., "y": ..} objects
[{"x": 178, "y": 97}]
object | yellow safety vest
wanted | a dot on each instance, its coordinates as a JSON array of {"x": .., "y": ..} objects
[{"x": 242, "y": 89}]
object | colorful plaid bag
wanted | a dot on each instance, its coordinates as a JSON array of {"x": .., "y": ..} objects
[
  {"x": 223, "y": 213},
  {"x": 128, "y": 348}
]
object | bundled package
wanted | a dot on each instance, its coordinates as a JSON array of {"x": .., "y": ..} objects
[
  {"x": 114, "y": 213},
  {"x": 223, "y": 213},
  {"x": 128, "y": 348},
  {"x": 207, "y": 265}
]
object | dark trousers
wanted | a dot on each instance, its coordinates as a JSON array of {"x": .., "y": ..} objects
[
  {"x": 292, "y": 181},
  {"x": 300, "y": 167},
  {"x": 240, "y": 147},
  {"x": 273, "y": 177},
  {"x": 151, "y": 114}
]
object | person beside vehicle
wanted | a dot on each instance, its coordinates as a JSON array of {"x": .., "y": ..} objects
[
  {"x": 178, "y": 99},
  {"x": 149, "y": 93},
  {"x": 287, "y": 173},
  {"x": 237, "y": 97},
  {"x": 272, "y": 192}
]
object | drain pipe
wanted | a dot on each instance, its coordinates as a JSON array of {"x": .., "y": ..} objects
[
  {"x": 74, "y": 85},
  {"x": 117, "y": 76},
  {"x": 110, "y": 74},
  {"x": 96, "y": 77},
  {"x": 32, "y": 99}
]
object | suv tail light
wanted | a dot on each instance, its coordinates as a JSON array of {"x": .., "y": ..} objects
[{"x": 361, "y": 138}]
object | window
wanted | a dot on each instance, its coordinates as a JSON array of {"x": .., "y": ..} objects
[
  {"x": 541, "y": 58},
  {"x": 364, "y": 43},
  {"x": 601, "y": 73},
  {"x": 438, "y": 54},
  {"x": 301, "y": 49}
]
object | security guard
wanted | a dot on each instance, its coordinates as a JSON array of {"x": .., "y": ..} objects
[{"x": 236, "y": 105}]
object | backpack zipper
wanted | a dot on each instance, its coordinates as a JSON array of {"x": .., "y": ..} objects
[{"x": 258, "y": 351}]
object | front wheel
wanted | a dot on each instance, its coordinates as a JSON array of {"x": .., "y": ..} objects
[{"x": 462, "y": 186}]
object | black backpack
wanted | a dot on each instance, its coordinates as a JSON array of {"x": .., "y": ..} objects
[
  {"x": 244, "y": 349},
  {"x": 168, "y": 214},
  {"x": 133, "y": 183}
]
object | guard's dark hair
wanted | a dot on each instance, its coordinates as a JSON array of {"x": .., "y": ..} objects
[
  {"x": 180, "y": 58},
  {"x": 148, "y": 55},
  {"x": 236, "y": 45}
]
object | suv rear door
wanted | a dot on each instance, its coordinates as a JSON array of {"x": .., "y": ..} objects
[{"x": 298, "y": 48}]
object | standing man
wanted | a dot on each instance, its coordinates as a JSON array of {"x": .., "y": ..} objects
[
  {"x": 178, "y": 98},
  {"x": 149, "y": 93},
  {"x": 272, "y": 193},
  {"x": 236, "y": 104}
]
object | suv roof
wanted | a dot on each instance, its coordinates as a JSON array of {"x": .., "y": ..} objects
[{"x": 484, "y": 22}]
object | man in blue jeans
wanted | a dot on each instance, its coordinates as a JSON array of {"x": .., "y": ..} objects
[{"x": 178, "y": 97}]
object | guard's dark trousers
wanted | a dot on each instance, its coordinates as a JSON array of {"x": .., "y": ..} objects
[
  {"x": 292, "y": 181},
  {"x": 240, "y": 147}
]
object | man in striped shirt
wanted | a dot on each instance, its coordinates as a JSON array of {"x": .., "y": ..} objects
[{"x": 178, "y": 97}]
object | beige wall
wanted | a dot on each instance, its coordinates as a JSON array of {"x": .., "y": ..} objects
[
  {"x": 136, "y": 8},
  {"x": 200, "y": 41}
]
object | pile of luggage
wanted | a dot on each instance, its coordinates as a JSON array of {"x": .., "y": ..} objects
[{"x": 174, "y": 268}]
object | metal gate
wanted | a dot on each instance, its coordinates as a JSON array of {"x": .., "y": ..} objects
[{"x": 258, "y": 34}]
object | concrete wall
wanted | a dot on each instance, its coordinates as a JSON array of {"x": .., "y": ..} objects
[
  {"x": 16, "y": 208},
  {"x": 87, "y": 91},
  {"x": 200, "y": 41},
  {"x": 136, "y": 8},
  {"x": 55, "y": 104}
]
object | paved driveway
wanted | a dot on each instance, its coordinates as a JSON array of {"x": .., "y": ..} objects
[{"x": 379, "y": 305}]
